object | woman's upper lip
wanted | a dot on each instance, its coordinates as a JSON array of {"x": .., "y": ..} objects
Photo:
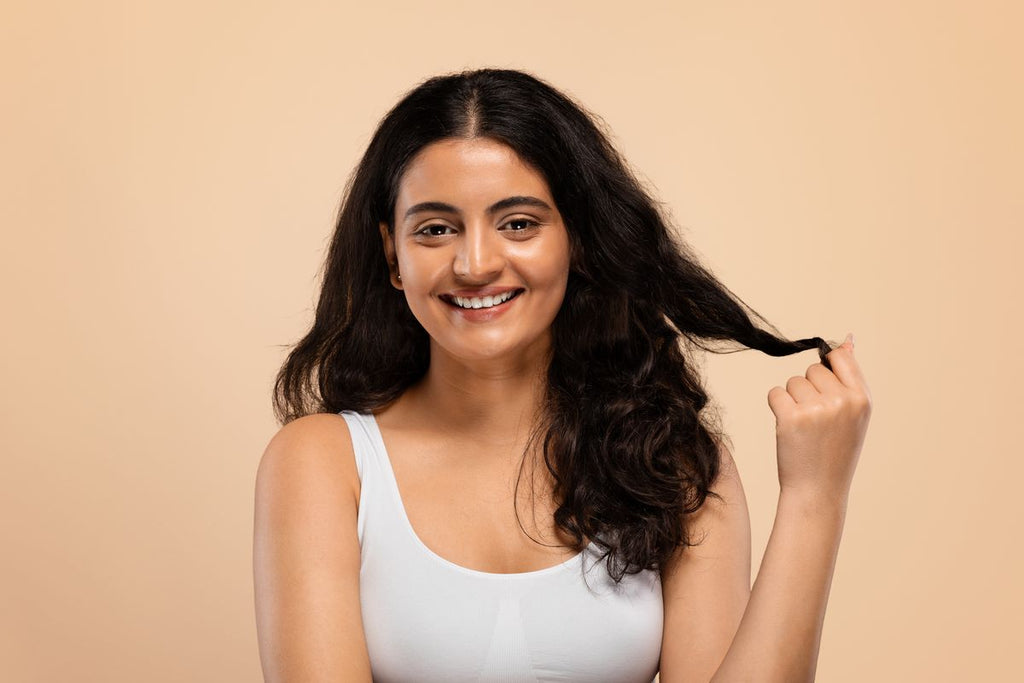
[{"x": 480, "y": 292}]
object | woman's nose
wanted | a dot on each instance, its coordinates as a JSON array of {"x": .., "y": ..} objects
[{"x": 479, "y": 254}]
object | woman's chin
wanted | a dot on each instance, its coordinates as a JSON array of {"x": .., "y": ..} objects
[{"x": 496, "y": 350}]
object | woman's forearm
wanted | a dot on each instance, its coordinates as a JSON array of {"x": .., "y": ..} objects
[{"x": 780, "y": 632}]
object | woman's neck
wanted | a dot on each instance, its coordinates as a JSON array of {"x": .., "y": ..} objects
[{"x": 495, "y": 400}]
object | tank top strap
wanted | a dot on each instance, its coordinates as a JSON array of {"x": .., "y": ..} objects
[
  {"x": 362, "y": 441},
  {"x": 379, "y": 521}
]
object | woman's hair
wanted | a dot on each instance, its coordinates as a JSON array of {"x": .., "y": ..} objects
[{"x": 627, "y": 435}]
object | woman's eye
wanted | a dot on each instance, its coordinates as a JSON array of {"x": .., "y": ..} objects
[
  {"x": 434, "y": 230},
  {"x": 521, "y": 224}
]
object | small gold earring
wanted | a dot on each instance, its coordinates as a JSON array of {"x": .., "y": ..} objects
[{"x": 398, "y": 276}]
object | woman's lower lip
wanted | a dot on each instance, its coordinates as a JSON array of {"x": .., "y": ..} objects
[{"x": 483, "y": 314}]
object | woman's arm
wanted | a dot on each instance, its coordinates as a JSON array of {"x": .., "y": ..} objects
[
  {"x": 780, "y": 632},
  {"x": 306, "y": 555},
  {"x": 716, "y": 628},
  {"x": 821, "y": 420},
  {"x": 706, "y": 587}
]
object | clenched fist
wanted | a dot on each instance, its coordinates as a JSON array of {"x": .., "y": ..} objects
[{"x": 820, "y": 422}]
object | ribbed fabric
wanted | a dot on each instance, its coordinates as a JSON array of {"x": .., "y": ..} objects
[{"x": 427, "y": 619}]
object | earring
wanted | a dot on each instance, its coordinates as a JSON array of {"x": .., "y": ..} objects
[{"x": 398, "y": 276}]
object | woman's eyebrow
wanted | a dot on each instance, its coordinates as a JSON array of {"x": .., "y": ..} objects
[{"x": 500, "y": 205}]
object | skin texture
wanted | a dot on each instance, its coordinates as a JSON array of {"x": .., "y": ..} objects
[{"x": 457, "y": 436}]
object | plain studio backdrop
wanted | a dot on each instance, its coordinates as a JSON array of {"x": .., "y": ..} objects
[{"x": 170, "y": 173}]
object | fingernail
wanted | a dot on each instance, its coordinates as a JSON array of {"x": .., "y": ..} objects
[{"x": 849, "y": 338}]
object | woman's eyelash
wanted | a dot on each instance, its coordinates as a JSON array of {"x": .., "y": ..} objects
[
  {"x": 426, "y": 228},
  {"x": 529, "y": 223}
]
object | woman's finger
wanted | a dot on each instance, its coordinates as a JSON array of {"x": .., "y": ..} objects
[
  {"x": 802, "y": 390},
  {"x": 780, "y": 401},
  {"x": 823, "y": 379},
  {"x": 845, "y": 366}
]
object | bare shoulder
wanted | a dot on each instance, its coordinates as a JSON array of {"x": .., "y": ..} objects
[
  {"x": 706, "y": 587},
  {"x": 310, "y": 448},
  {"x": 727, "y": 485},
  {"x": 306, "y": 554},
  {"x": 722, "y": 514}
]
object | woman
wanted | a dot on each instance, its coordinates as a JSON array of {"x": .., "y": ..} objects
[{"x": 497, "y": 462}]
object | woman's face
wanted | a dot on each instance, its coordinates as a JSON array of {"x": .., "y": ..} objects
[{"x": 481, "y": 249}]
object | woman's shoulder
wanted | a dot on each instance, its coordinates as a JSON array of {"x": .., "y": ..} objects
[
  {"x": 306, "y": 552},
  {"x": 313, "y": 450}
]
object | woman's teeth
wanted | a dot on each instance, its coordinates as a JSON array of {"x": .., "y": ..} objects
[{"x": 483, "y": 302}]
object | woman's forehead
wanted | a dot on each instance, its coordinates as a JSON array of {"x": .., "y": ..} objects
[{"x": 468, "y": 173}]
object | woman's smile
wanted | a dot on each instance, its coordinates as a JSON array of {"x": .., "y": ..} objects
[{"x": 482, "y": 307}]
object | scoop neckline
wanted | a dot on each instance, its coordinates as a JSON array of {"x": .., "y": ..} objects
[{"x": 397, "y": 496}]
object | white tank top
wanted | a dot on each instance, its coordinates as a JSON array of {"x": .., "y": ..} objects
[{"x": 428, "y": 619}]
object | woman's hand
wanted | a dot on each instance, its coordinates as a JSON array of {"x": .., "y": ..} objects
[{"x": 820, "y": 424}]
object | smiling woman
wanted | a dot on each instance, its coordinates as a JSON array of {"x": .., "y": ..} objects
[{"x": 501, "y": 297}]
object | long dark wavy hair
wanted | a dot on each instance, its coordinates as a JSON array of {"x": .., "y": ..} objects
[{"x": 627, "y": 433}]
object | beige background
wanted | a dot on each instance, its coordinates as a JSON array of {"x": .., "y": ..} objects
[{"x": 170, "y": 173}]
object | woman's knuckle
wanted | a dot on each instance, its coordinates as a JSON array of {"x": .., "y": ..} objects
[{"x": 860, "y": 402}]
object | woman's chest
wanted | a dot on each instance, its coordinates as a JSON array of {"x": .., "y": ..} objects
[{"x": 479, "y": 510}]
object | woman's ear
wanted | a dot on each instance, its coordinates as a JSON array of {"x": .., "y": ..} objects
[{"x": 389, "y": 253}]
